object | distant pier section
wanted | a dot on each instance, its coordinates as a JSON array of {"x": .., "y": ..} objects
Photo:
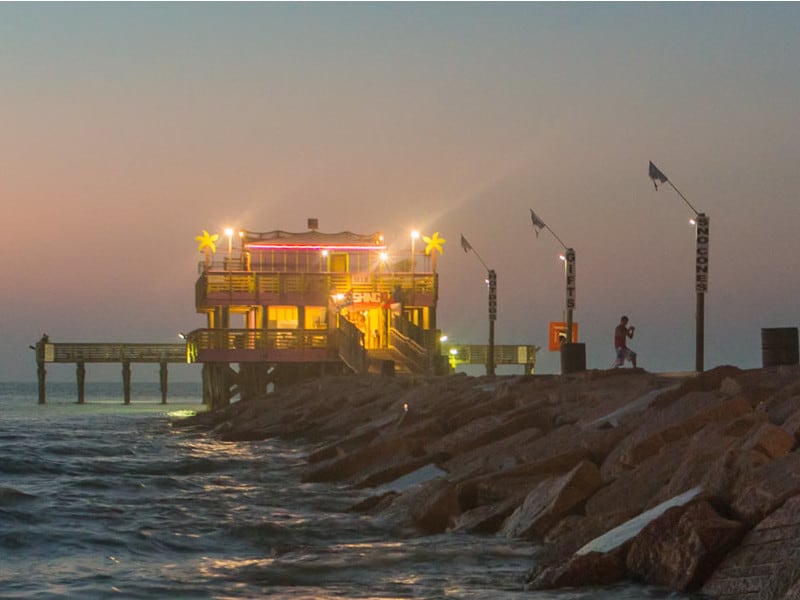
[{"x": 123, "y": 353}]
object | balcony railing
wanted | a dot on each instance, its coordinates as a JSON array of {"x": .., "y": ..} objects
[
  {"x": 246, "y": 345},
  {"x": 248, "y": 287}
]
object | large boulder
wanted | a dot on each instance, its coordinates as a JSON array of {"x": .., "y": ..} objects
[
  {"x": 576, "y": 530},
  {"x": 593, "y": 569},
  {"x": 764, "y": 565},
  {"x": 767, "y": 487},
  {"x": 680, "y": 419},
  {"x": 551, "y": 500},
  {"x": 681, "y": 548},
  {"x": 487, "y": 518},
  {"x": 373, "y": 457},
  {"x": 429, "y": 508},
  {"x": 635, "y": 490},
  {"x": 713, "y": 459},
  {"x": 792, "y": 424},
  {"x": 770, "y": 440}
]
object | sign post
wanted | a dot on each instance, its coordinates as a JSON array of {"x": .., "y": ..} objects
[
  {"x": 701, "y": 221},
  {"x": 492, "y": 318},
  {"x": 701, "y": 287},
  {"x": 569, "y": 267},
  {"x": 491, "y": 279}
]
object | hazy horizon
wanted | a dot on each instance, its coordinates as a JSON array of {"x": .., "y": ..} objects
[{"x": 131, "y": 128}]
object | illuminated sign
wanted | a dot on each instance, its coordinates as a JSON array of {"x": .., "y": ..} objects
[{"x": 370, "y": 298}]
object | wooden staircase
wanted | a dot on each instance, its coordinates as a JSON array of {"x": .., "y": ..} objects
[{"x": 376, "y": 358}]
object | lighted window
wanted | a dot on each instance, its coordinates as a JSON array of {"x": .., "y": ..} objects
[
  {"x": 337, "y": 263},
  {"x": 282, "y": 317},
  {"x": 316, "y": 317}
]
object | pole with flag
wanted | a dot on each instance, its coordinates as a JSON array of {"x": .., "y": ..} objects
[
  {"x": 491, "y": 280},
  {"x": 701, "y": 222},
  {"x": 569, "y": 270}
]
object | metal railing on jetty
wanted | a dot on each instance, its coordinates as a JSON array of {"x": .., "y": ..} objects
[
  {"x": 477, "y": 354},
  {"x": 123, "y": 353}
]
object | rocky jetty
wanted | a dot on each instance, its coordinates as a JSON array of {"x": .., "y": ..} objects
[{"x": 691, "y": 482}]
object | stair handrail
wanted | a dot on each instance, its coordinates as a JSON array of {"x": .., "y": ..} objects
[{"x": 351, "y": 346}]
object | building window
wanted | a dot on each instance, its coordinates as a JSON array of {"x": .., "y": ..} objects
[
  {"x": 282, "y": 317},
  {"x": 337, "y": 263},
  {"x": 316, "y": 317}
]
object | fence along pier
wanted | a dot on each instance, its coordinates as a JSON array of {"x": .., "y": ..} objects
[{"x": 122, "y": 353}]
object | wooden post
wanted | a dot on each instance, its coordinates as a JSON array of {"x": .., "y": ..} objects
[
  {"x": 41, "y": 373},
  {"x": 126, "y": 381},
  {"x": 80, "y": 371},
  {"x": 162, "y": 376}
]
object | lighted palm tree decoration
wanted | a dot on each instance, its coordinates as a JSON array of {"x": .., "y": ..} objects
[
  {"x": 207, "y": 245},
  {"x": 434, "y": 246}
]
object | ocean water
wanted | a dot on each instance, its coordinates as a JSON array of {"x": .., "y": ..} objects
[{"x": 104, "y": 500}]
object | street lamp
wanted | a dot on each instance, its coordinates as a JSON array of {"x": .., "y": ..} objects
[
  {"x": 229, "y": 233},
  {"x": 414, "y": 238},
  {"x": 701, "y": 223},
  {"x": 491, "y": 280},
  {"x": 569, "y": 271}
]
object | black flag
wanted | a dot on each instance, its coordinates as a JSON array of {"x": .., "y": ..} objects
[{"x": 656, "y": 175}]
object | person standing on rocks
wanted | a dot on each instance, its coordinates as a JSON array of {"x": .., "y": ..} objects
[{"x": 621, "y": 335}]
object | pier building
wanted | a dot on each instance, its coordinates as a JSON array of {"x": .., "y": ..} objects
[{"x": 280, "y": 306}]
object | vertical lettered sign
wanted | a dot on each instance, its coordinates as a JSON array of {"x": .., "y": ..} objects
[
  {"x": 701, "y": 262},
  {"x": 570, "y": 259}
]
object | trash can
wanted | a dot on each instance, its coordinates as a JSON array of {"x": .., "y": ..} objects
[
  {"x": 573, "y": 358},
  {"x": 779, "y": 346}
]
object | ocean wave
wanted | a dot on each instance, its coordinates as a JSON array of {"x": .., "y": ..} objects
[{"x": 11, "y": 496}]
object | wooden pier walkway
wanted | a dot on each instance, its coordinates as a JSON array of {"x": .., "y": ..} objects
[
  {"x": 504, "y": 354},
  {"x": 128, "y": 353},
  {"x": 122, "y": 353}
]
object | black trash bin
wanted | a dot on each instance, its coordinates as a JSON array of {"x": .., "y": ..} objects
[
  {"x": 779, "y": 346},
  {"x": 573, "y": 358}
]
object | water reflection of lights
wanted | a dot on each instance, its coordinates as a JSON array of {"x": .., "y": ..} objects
[
  {"x": 335, "y": 556},
  {"x": 181, "y": 414}
]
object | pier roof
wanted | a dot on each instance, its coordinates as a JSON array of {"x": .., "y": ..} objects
[{"x": 312, "y": 240}]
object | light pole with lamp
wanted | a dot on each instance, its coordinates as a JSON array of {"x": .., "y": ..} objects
[
  {"x": 414, "y": 238},
  {"x": 229, "y": 234},
  {"x": 569, "y": 271},
  {"x": 491, "y": 280},
  {"x": 701, "y": 223},
  {"x": 570, "y": 361}
]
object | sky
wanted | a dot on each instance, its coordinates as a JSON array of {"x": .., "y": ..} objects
[{"x": 128, "y": 129}]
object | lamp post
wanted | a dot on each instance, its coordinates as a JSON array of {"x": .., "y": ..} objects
[
  {"x": 414, "y": 238},
  {"x": 569, "y": 272},
  {"x": 229, "y": 234},
  {"x": 491, "y": 280},
  {"x": 701, "y": 223}
]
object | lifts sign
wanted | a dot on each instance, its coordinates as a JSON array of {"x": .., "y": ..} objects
[{"x": 701, "y": 263}]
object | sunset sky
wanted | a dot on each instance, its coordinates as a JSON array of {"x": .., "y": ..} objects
[{"x": 128, "y": 129}]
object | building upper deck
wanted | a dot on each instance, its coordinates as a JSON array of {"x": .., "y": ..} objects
[
  {"x": 220, "y": 287},
  {"x": 313, "y": 268}
]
